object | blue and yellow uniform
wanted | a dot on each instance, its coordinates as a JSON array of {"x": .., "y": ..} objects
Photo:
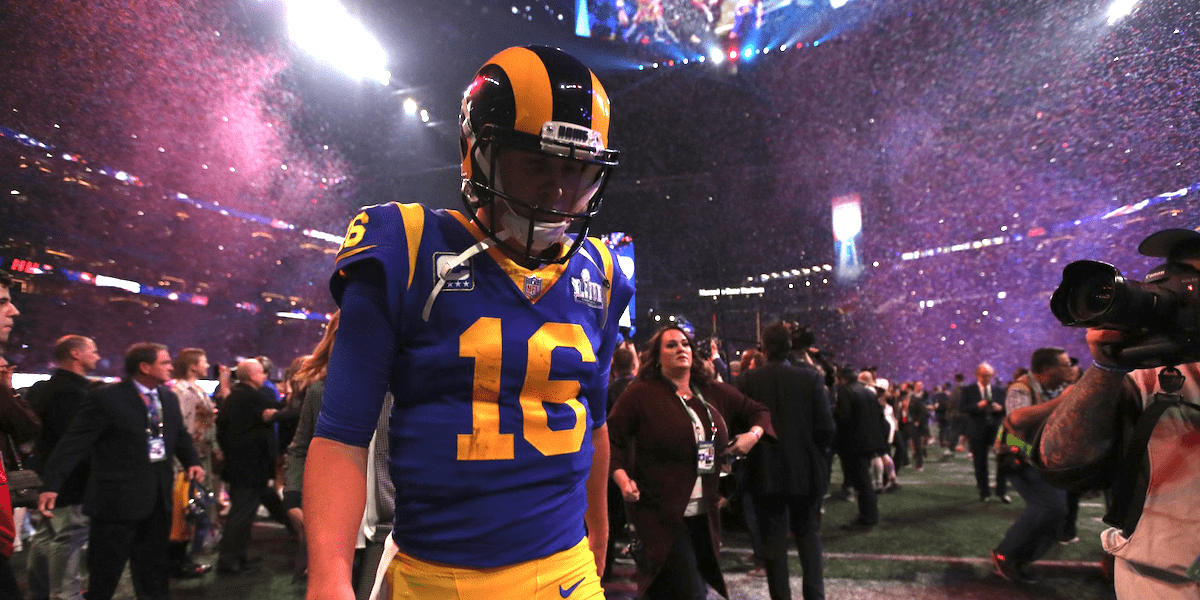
[{"x": 500, "y": 375}]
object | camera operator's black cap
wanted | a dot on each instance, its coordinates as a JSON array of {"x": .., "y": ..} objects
[{"x": 1170, "y": 243}]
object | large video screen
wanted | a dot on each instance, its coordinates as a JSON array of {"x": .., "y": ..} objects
[
  {"x": 700, "y": 27},
  {"x": 621, "y": 246}
]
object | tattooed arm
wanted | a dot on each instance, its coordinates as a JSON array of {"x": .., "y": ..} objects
[{"x": 1083, "y": 426}]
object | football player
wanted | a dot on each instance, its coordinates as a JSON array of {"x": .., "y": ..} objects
[{"x": 494, "y": 328}]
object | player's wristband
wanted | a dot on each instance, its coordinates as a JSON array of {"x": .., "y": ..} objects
[{"x": 1111, "y": 368}]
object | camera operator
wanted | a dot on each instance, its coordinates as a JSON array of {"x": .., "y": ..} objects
[{"x": 1090, "y": 436}]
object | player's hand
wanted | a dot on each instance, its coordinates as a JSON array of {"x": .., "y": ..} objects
[
  {"x": 981, "y": 403},
  {"x": 46, "y": 503},
  {"x": 630, "y": 492},
  {"x": 196, "y": 473},
  {"x": 332, "y": 592},
  {"x": 996, "y": 407},
  {"x": 267, "y": 414},
  {"x": 599, "y": 547}
]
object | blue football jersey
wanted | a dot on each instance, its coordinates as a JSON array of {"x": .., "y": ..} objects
[{"x": 497, "y": 390}]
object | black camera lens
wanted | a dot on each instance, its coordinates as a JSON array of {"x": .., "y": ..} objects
[
  {"x": 1093, "y": 297},
  {"x": 1160, "y": 317},
  {"x": 1094, "y": 294}
]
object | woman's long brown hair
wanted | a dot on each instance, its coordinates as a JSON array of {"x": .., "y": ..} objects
[{"x": 317, "y": 365}]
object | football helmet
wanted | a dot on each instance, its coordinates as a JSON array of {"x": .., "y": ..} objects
[{"x": 541, "y": 101}]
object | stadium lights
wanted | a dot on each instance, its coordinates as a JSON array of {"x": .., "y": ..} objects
[
  {"x": 836, "y": 4},
  {"x": 1120, "y": 9},
  {"x": 325, "y": 30},
  {"x": 717, "y": 55},
  {"x": 410, "y": 106}
]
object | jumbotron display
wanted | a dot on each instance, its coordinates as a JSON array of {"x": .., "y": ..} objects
[{"x": 696, "y": 28}]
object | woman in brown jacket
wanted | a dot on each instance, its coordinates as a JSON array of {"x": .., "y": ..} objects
[{"x": 679, "y": 421}]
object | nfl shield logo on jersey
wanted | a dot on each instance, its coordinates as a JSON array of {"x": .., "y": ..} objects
[{"x": 533, "y": 286}]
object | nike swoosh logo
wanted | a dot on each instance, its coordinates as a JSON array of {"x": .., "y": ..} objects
[{"x": 567, "y": 592}]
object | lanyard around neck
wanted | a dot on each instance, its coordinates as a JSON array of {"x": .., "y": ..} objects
[
  {"x": 153, "y": 408},
  {"x": 695, "y": 418}
]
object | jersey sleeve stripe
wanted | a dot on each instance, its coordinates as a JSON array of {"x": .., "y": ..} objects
[
  {"x": 349, "y": 253},
  {"x": 413, "y": 216}
]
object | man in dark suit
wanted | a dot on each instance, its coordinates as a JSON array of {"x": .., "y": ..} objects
[
  {"x": 787, "y": 475},
  {"x": 130, "y": 430},
  {"x": 861, "y": 436},
  {"x": 245, "y": 431},
  {"x": 56, "y": 550},
  {"x": 914, "y": 421},
  {"x": 983, "y": 404}
]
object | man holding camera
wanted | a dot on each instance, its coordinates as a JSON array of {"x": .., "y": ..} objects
[
  {"x": 1119, "y": 426},
  {"x": 1041, "y": 523}
]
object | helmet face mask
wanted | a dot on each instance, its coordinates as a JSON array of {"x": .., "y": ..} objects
[
  {"x": 537, "y": 198},
  {"x": 533, "y": 129}
]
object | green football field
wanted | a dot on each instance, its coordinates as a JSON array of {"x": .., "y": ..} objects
[{"x": 932, "y": 543}]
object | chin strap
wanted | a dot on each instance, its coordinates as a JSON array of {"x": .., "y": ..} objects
[{"x": 454, "y": 264}]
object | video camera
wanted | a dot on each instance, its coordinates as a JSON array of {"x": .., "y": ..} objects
[
  {"x": 1160, "y": 316},
  {"x": 803, "y": 338}
]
